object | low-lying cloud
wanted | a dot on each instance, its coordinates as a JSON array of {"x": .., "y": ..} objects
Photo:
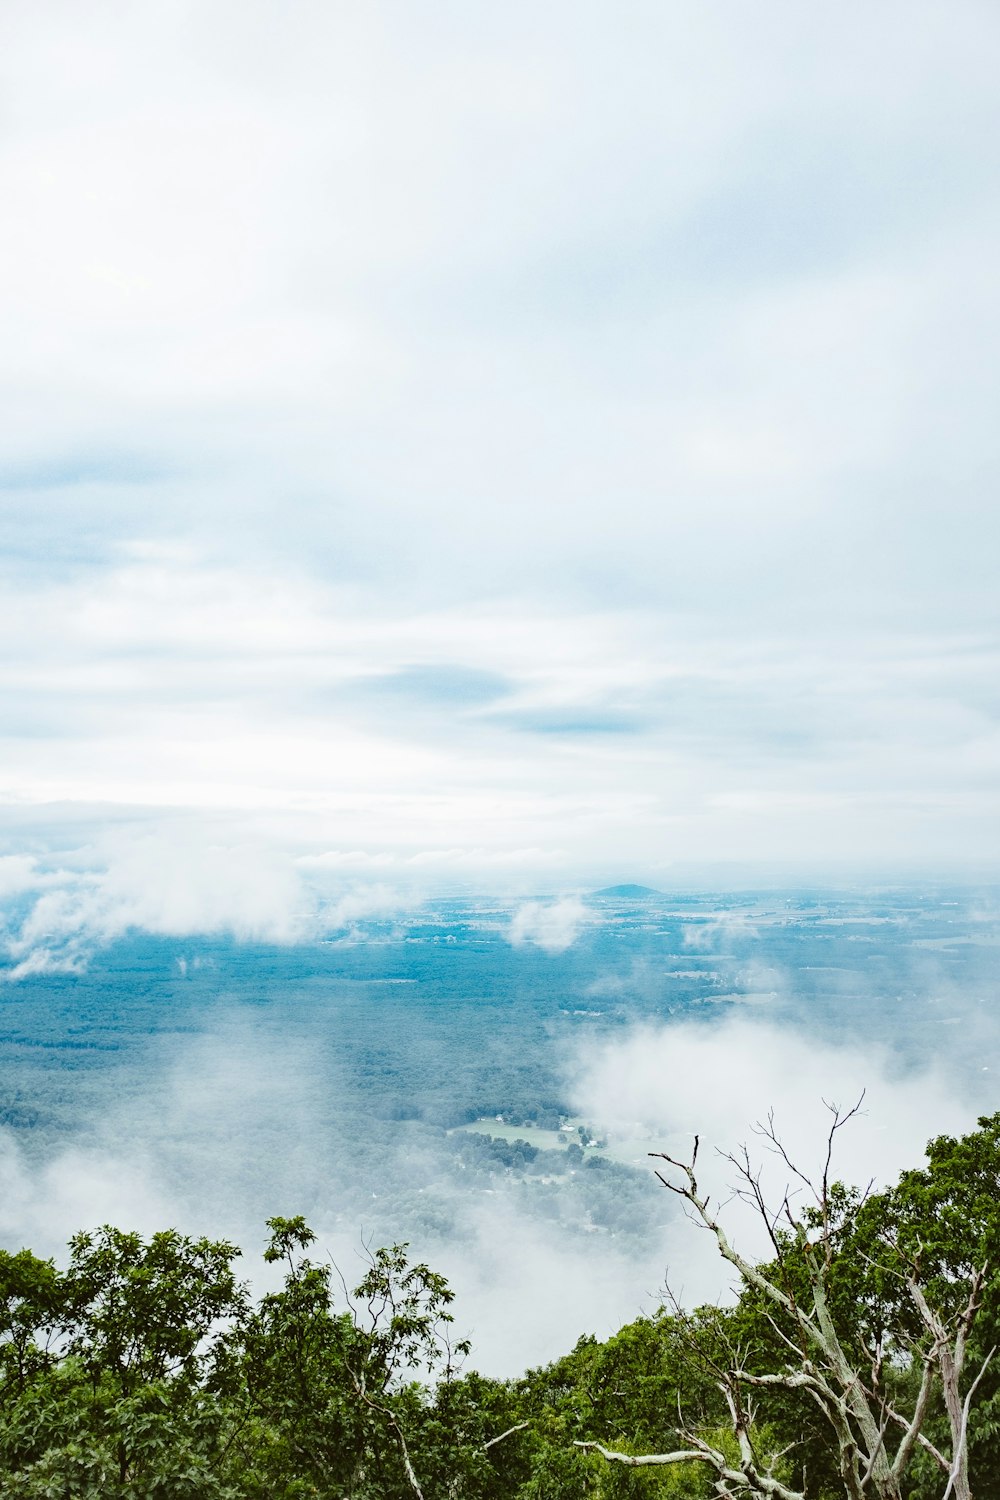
[
  {"x": 172, "y": 883},
  {"x": 365, "y": 902},
  {"x": 496, "y": 1254},
  {"x": 160, "y": 882},
  {"x": 251, "y": 1103},
  {"x": 243, "y": 1122},
  {"x": 659, "y": 1086},
  {"x": 20, "y": 873},
  {"x": 554, "y": 926}
]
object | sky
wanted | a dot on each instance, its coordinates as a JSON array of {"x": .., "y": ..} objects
[{"x": 493, "y": 443}]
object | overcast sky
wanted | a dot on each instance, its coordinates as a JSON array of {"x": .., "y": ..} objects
[{"x": 528, "y": 438}]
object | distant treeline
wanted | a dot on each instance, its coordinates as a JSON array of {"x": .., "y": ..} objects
[{"x": 856, "y": 1362}]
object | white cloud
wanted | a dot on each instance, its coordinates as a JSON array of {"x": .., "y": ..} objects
[
  {"x": 168, "y": 881},
  {"x": 312, "y": 268},
  {"x": 20, "y": 873},
  {"x": 476, "y": 860},
  {"x": 553, "y": 926},
  {"x": 498, "y": 1257},
  {"x": 642, "y": 360},
  {"x": 365, "y": 901},
  {"x": 175, "y": 884},
  {"x": 718, "y": 932},
  {"x": 241, "y": 1120},
  {"x": 660, "y": 1085},
  {"x": 560, "y": 1288},
  {"x": 42, "y": 1205}
]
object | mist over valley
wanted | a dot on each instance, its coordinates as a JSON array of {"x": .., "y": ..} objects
[{"x": 435, "y": 1076}]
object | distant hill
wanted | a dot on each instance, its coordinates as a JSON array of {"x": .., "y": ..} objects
[{"x": 628, "y": 892}]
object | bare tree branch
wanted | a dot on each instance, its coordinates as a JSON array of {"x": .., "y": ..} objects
[
  {"x": 753, "y": 1482},
  {"x": 502, "y": 1436}
]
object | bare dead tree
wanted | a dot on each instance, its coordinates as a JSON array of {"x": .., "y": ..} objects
[{"x": 818, "y": 1361}]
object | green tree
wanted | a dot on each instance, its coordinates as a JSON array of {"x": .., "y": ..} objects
[
  {"x": 139, "y": 1311},
  {"x": 32, "y": 1305},
  {"x": 122, "y": 1412},
  {"x": 336, "y": 1401}
]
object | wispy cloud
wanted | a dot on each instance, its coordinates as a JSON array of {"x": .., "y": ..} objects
[
  {"x": 553, "y": 926},
  {"x": 364, "y": 902},
  {"x": 160, "y": 882}
]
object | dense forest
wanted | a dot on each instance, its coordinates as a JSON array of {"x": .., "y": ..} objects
[{"x": 857, "y": 1361}]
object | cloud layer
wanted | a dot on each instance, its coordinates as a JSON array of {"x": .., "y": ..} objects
[{"x": 569, "y": 435}]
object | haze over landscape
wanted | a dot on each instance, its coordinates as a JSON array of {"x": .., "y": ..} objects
[{"x": 500, "y": 627}]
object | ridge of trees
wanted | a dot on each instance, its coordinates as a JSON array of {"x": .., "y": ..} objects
[{"x": 858, "y": 1361}]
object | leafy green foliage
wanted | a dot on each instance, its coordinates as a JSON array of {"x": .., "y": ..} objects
[
  {"x": 101, "y": 1386},
  {"x": 140, "y": 1311},
  {"x": 31, "y": 1304}
]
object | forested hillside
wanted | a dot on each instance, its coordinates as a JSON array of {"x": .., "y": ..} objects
[{"x": 857, "y": 1361}]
